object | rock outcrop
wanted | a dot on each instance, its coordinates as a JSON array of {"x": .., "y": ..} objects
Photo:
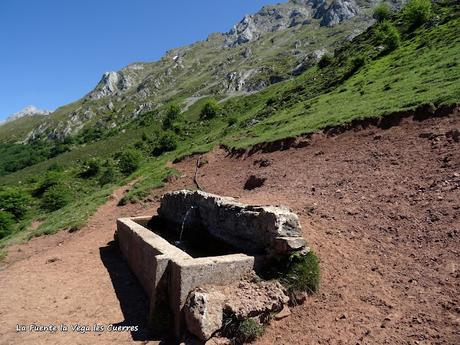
[
  {"x": 290, "y": 14},
  {"x": 269, "y": 19},
  {"x": 111, "y": 83},
  {"x": 206, "y": 306},
  {"x": 337, "y": 12},
  {"x": 252, "y": 229},
  {"x": 308, "y": 61}
]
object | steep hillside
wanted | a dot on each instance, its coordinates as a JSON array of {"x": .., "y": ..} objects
[
  {"x": 397, "y": 65},
  {"x": 262, "y": 49}
]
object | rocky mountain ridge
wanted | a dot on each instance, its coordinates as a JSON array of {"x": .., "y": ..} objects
[
  {"x": 272, "y": 45},
  {"x": 28, "y": 111},
  {"x": 290, "y": 14}
]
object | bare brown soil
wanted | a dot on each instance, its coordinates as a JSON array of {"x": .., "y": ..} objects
[{"x": 381, "y": 207}]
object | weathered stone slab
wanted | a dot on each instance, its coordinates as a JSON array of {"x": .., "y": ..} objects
[
  {"x": 253, "y": 229},
  {"x": 248, "y": 299}
]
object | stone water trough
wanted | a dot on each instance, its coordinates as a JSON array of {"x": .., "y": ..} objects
[{"x": 199, "y": 239}]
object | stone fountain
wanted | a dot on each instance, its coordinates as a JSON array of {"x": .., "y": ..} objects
[{"x": 200, "y": 239}]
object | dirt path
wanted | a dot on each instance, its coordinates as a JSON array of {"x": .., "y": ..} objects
[
  {"x": 67, "y": 278},
  {"x": 380, "y": 207}
]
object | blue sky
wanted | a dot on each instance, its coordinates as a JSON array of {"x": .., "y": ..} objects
[{"x": 55, "y": 51}]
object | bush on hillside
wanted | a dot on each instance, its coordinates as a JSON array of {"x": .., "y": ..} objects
[
  {"x": 382, "y": 12},
  {"x": 172, "y": 114},
  {"x": 148, "y": 118},
  {"x": 56, "y": 167},
  {"x": 15, "y": 201},
  {"x": 358, "y": 62},
  {"x": 325, "y": 60},
  {"x": 90, "y": 168},
  {"x": 387, "y": 35},
  {"x": 56, "y": 198},
  {"x": 417, "y": 12},
  {"x": 210, "y": 110},
  {"x": 231, "y": 121},
  {"x": 129, "y": 161},
  {"x": 52, "y": 178},
  {"x": 109, "y": 175},
  {"x": 6, "y": 224},
  {"x": 166, "y": 143}
]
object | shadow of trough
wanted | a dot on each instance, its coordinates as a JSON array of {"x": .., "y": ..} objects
[{"x": 133, "y": 300}]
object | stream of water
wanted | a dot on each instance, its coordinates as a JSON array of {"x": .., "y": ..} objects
[{"x": 183, "y": 223}]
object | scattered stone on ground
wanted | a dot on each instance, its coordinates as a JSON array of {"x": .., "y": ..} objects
[
  {"x": 285, "y": 312},
  {"x": 203, "y": 312}
]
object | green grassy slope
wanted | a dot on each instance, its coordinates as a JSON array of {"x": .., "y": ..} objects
[
  {"x": 425, "y": 69},
  {"x": 359, "y": 82}
]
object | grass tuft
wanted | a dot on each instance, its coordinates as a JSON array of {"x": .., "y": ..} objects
[
  {"x": 302, "y": 273},
  {"x": 241, "y": 331}
]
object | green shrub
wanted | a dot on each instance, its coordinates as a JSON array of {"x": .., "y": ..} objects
[
  {"x": 272, "y": 101},
  {"x": 172, "y": 114},
  {"x": 56, "y": 198},
  {"x": 56, "y": 167},
  {"x": 301, "y": 273},
  {"x": 417, "y": 12},
  {"x": 249, "y": 330},
  {"x": 129, "y": 161},
  {"x": 140, "y": 145},
  {"x": 325, "y": 60},
  {"x": 6, "y": 224},
  {"x": 387, "y": 35},
  {"x": 52, "y": 178},
  {"x": 210, "y": 110},
  {"x": 231, "y": 121},
  {"x": 382, "y": 12},
  {"x": 166, "y": 143},
  {"x": 358, "y": 62},
  {"x": 90, "y": 168},
  {"x": 109, "y": 175},
  {"x": 15, "y": 201}
]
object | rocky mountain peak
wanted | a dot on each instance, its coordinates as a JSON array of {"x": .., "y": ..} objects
[
  {"x": 30, "y": 110},
  {"x": 111, "y": 83},
  {"x": 338, "y": 11},
  {"x": 290, "y": 14}
]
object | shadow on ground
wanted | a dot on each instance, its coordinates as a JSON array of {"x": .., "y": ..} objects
[{"x": 133, "y": 300}]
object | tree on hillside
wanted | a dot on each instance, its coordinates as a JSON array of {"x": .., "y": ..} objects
[
  {"x": 387, "y": 35},
  {"x": 129, "y": 161},
  {"x": 382, "y": 12},
  {"x": 172, "y": 114},
  {"x": 56, "y": 198},
  {"x": 417, "y": 12},
  {"x": 15, "y": 201},
  {"x": 6, "y": 224},
  {"x": 210, "y": 110}
]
